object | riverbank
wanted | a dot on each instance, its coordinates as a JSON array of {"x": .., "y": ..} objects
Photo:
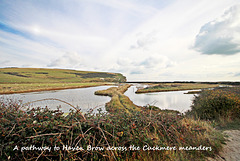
[
  {"x": 165, "y": 87},
  {"x": 36, "y": 87},
  {"x": 119, "y": 101}
]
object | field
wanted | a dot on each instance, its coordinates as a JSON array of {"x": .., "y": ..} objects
[
  {"x": 17, "y": 80},
  {"x": 163, "y": 87}
]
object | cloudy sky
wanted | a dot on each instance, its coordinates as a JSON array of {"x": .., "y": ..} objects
[{"x": 154, "y": 40}]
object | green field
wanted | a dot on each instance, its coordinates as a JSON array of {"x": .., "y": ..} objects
[
  {"x": 15, "y": 80},
  {"x": 163, "y": 87}
]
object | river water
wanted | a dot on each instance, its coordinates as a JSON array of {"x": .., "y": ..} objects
[
  {"x": 82, "y": 98},
  {"x": 85, "y": 99},
  {"x": 173, "y": 100}
]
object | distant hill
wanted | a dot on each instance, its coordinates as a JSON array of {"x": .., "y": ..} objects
[{"x": 43, "y": 75}]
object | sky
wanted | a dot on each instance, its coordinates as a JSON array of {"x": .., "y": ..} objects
[{"x": 153, "y": 40}]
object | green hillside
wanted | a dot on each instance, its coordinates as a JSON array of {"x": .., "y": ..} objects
[
  {"x": 38, "y": 75},
  {"x": 18, "y": 80}
]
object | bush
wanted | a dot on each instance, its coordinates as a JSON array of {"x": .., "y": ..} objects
[
  {"x": 217, "y": 104},
  {"x": 41, "y": 127}
]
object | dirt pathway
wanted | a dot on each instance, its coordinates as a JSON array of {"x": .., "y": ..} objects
[{"x": 231, "y": 151}]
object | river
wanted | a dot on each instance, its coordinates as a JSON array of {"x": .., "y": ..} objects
[
  {"x": 173, "y": 100},
  {"x": 85, "y": 99}
]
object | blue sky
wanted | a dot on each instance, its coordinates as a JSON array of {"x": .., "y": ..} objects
[{"x": 154, "y": 40}]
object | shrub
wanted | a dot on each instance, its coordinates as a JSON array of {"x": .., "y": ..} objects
[
  {"x": 216, "y": 104},
  {"x": 42, "y": 127}
]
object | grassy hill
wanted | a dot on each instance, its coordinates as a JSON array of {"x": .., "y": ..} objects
[
  {"x": 38, "y": 75},
  {"x": 15, "y": 80}
]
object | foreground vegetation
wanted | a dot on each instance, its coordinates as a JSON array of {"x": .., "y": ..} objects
[
  {"x": 43, "y": 134},
  {"x": 16, "y": 80},
  {"x": 221, "y": 105},
  {"x": 163, "y": 87}
]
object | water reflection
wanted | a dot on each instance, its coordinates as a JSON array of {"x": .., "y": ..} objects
[
  {"x": 174, "y": 100},
  {"x": 84, "y": 98}
]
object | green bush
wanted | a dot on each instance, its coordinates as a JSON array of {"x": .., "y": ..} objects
[{"x": 216, "y": 104}]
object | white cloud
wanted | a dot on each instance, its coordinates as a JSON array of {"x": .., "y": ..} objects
[
  {"x": 171, "y": 34},
  {"x": 157, "y": 62},
  {"x": 68, "y": 60},
  {"x": 237, "y": 74},
  {"x": 144, "y": 40},
  {"x": 126, "y": 5},
  {"x": 147, "y": 67},
  {"x": 222, "y": 35},
  {"x": 18, "y": 51}
]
